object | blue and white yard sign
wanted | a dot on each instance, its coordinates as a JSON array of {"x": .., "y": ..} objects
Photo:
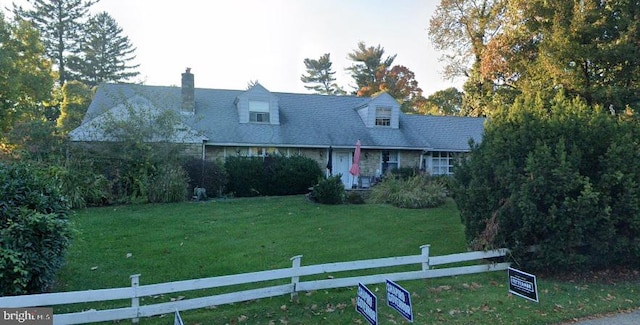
[
  {"x": 399, "y": 299},
  {"x": 523, "y": 284},
  {"x": 367, "y": 305}
]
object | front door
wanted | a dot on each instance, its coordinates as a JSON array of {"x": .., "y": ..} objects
[{"x": 341, "y": 165}]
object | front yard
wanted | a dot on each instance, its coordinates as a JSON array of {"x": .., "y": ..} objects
[{"x": 169, "y": 242}]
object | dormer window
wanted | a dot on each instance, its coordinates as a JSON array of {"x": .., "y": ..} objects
[
  {"x": 383, "y": 116},
  {"x": 259, "y": 111}
]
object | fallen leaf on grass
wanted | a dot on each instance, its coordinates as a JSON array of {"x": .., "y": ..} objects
[
  {"x": 94, "y": 268},
  {"x": 129, "y": 255}
]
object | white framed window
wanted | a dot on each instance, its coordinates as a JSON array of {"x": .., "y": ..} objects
[
  {"x": 383, "y": 116},
  {"x": 259, "y": 111},
  {"x": 390, "y": 160},
  {"x": 442, "y": 162}
]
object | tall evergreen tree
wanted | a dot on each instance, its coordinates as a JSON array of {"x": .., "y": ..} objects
[
  {"x": 320, "y": 76},
  {"x": 369, "y": 68},
  {"x": 60, "y": 25},
  {"x": 105, "y": 53}
]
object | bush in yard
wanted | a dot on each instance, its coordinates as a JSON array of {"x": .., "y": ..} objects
[
  {"x": 81, "y": 185},
  {"x": 209, "y": 175},
  {"x": 34, "y": 230},
  {"x": 415, "y": 192},
  {"x": 245, "y": 176},
  {"x": 169, "y": 184},
  {"x": 329, "y": 190},
  {"x": 562, "y": 176},
  {"x": 290, "y": 175},
  {"x": 272, "y": 175}
]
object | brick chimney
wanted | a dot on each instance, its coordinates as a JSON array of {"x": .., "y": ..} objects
[{"x": 188, "y": 92}]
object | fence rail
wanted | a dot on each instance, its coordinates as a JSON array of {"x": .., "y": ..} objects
[{"x": 136, "y": 291}]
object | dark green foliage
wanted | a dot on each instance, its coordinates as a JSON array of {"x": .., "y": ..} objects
[
  {"x": 34, "y": 230},
  {"x": 563, "y": 176},
  {"x": 60, "y": 23},
  {"x": 81, "y": 185},
  {"x": 245, "y": 176},
  {"x": 415, "y": 192},
  {"x": 210, "y": 175},
  {"x": 329, "y": 190},
  {"x": 273, "y": 175},
  {"x": 290, "y": 175},
  {"x": 168, "y": 184},
  {"x": 105, "y": 54}
]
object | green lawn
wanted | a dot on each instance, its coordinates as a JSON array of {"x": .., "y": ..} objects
[{"x": 172, "y": 242}]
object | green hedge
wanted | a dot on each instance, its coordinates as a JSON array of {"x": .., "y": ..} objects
[
  {"x": 273, "y": 175},
  {"x": 561, "y": 176},
  {"x": 34, "y": 229}
]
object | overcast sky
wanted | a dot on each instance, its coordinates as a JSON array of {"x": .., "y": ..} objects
[{"x": 229, "y": 43}]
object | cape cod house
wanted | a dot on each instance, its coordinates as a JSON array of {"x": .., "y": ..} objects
[{"x": 218, "y": 123}]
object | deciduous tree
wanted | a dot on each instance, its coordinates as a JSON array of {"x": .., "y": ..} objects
[
  {"x": 26, "y": 79},
  {"x": 76, "y": 98},
  {"x": 589, "y": 48},
  {"x": 443, "y": 102},
  {"x": 462, "y": 29}
]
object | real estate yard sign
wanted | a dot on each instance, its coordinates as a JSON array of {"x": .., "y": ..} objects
[
  {"x": 523, "y": 284},
  {"x": 399, "y": 299},
  {"x": 367, "y": 305}
]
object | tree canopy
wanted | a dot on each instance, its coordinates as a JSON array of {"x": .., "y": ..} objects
[
  {"x": 106, "y": 53},
  {"x": 319, "y": 76},
  {"x": 587, "y": 48},
  {"x": 374, "y": 73},
  {"x": 60, "y": 25},
  {"x": 26, "y": 79}
]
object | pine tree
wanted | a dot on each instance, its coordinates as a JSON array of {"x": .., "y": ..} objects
[
  {"x": 60, "y": 25},
  {"x": 105, "y": 54},
  {"x": 320, "y": 76},
  {"x": 369, "y": 68}
]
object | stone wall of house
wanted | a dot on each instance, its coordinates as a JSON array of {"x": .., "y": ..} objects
[
  {"x": 410, "y": 159},
  {"x": 370, "y": 159}
]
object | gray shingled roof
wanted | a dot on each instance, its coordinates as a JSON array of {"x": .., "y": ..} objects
[{"x": 306, "y": 120}]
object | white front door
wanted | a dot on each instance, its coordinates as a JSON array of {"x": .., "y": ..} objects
[{"x": 341, "y": 165}]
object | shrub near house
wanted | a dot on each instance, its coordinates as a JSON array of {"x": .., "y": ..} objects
[{"x": 564, "y": 176}]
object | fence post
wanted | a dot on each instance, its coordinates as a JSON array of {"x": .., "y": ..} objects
[
  {"x": 135, "y": 301},
  {"x": 425, "y": 255},
  {"x": 296, "y": 260}
]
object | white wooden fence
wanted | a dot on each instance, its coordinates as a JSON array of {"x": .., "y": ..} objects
[{"x": 136, "y": 291}]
